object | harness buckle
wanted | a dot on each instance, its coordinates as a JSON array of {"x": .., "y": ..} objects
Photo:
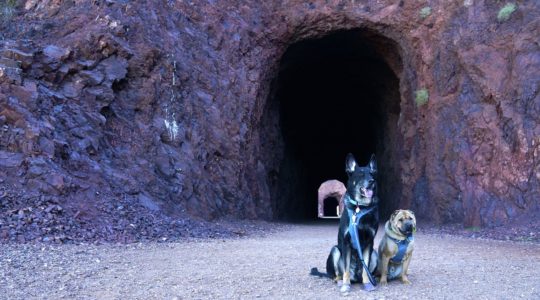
[{"x": 356, "y": 211}]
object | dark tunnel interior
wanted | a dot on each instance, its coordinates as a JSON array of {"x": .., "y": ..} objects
[
  {"x": 330, "y": 206},
  {"x": 336, "y": 94}
]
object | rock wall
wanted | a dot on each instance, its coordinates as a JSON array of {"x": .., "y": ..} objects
[{"x": 161, "y": 105}]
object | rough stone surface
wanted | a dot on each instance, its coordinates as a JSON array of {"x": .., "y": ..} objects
[{"x": 168, "y": 99}]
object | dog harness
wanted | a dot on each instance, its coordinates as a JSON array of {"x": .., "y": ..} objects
[
  {"x": 353, "y": 225},
  {"x": 356, "y": 215},
  {"x": 402, "y": 248}
]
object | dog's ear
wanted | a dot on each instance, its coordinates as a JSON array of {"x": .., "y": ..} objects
[
  {"x": 350, "y": 163},
  {"x": 394, "y": 214},
  {"x": 373, "y": 164}
]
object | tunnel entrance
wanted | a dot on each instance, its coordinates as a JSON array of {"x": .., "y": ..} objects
[{"x": 334, "y": 95}]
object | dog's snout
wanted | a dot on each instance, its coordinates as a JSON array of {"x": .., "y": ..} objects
[{"x": 408, "y": 226}]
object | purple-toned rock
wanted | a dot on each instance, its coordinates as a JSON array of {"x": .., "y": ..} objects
[
  {"x": 72, "y": 89},
  {"x": 164, "y": 166},
  {"x": 115, "y": 68},
  {"x": 26, "y": 93},
  {"x": 10, "y": 160},
  {"x": 46, "y": 146},
  {"x": 36, "y": 167},
  {"x": 100, "y": 93},
  {"x": 93, "y": 77},
  {"x": 56, "y": 181},
  {"x": 147, "y": 202},
  {"x": 55, "y": 53},
  {"x": 10, "y": 71}
]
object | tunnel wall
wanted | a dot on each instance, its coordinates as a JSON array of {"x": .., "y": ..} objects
[{"x": 162, "y": 104}]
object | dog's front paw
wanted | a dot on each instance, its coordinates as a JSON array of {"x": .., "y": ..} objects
[
  {"x": 368, "y": 287},
  {"x": 383, "y": 281},
  {"x": 345, "y": 289},
  {"x": 405, "y": 280}
]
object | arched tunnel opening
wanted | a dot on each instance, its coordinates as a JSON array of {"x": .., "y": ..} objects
[{"x": 334, "y": 95}]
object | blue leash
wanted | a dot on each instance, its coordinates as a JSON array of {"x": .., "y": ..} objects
[{"x": 353, "y": 231}]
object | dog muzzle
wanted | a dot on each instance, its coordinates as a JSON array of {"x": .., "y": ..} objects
[
  {"x": 366, "y": 193},
  {"x": 408, "y": 228}
]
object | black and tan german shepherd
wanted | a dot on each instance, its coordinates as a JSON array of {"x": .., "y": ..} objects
[{"x": 361, "y": 196}]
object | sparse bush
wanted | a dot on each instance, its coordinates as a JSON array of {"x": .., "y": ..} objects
[
  {"x": 7, "y": 8},
  {"x": 422, "y": 97},
  {"x": 425, "y": 12},
  {"x": 473, "y": 228},
  {"x": 506, "y": 11}
]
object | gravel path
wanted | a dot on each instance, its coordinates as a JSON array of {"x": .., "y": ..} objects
[{"x": 274, "y": 266}]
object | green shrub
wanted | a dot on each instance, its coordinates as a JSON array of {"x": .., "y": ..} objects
[
  {"x": 473, "y": 228},
  {"x": 422, "y": 97},
  {"x": 506, "y": 11},
  {"x": 425, "y": 12},
  {"x": 7, "y": 8}
]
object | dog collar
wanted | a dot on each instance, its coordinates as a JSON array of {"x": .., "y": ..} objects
[{"x": 350, "y": 202}]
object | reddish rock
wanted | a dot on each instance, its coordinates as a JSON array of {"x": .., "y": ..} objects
[
  {"x": 24, "y": 58},
  {"x": 9, "y": 63},
  {"x": 196, "y": 101}
]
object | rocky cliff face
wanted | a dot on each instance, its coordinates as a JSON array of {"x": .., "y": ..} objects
[{"x": 191, "y": 109}]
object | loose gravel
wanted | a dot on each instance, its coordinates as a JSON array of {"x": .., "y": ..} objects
[{"x": 270, "y": 266}]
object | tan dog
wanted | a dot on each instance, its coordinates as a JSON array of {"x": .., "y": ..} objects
[{"x": 396, "y": 247}]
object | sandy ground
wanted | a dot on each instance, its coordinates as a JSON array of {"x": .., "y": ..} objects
[{"x": 275, "y": 266}]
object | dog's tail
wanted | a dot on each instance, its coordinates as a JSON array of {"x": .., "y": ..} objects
[{"x": 316, "y": 272}]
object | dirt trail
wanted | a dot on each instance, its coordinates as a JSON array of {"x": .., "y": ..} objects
[{"x": 275, "y": 266}]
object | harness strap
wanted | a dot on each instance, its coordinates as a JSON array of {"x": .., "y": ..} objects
[
  {"x": 402, "y": 249},
  {"x": 353, "y": 231},
  {"x": 353, "y": 225}
]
